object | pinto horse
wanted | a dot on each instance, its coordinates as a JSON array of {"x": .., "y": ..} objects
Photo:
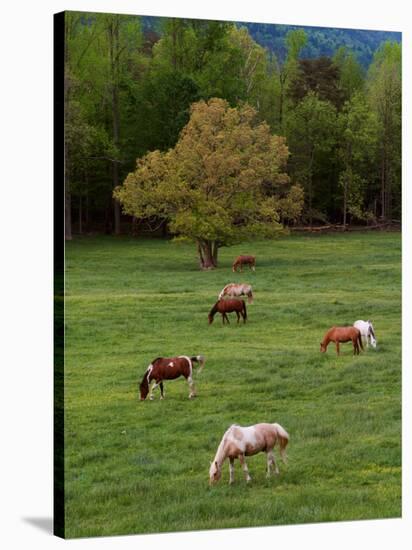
[
  {"x": 244, "y": 260},
  {"x": 367, "y": 332},
  {"x": 234, "y": 289},
  {"x": 238, "y": 442},
  {"x": 227, "y": 306},
  {"x": 342, "y": 334},
  {"x": 169, "y": 368}
]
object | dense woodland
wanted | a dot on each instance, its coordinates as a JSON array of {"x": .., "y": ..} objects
[{"x": 130, "y": 88}]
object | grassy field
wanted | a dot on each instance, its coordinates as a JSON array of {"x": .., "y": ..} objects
[{"x": 131, "y": 300}]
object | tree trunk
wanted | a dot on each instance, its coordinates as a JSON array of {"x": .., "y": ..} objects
[
  {"x": 67, "y": 195},
  {"x": 383, "y": 186},
  {"x": 67, "y": 212},
  {"x": 345, "y": 202},
  {"x": 206, "y": 254},
  {"x": 282, "y": 79},
  {"x": 215, "y": 252},
  {"x": 114, "y": 65},
  {"x": 80, "y": 215}
]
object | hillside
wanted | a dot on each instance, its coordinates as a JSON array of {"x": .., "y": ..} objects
[{"x": 321, "y": 40}]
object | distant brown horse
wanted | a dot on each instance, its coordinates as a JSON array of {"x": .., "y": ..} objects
[
  {"x": 227, "y": 306},
  {"x": 342, "y": 334},
  {"x": 169, "y": 368},
  {"x": 244, "y": 260}
]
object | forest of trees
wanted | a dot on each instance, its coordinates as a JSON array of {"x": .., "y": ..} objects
[{"x": 129, "y": 91}]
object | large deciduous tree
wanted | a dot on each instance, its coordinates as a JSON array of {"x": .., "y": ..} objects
[{"x": 223, "y": 182}]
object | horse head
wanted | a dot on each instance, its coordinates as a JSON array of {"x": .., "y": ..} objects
[
  {"x": 371, "y": 334},
  {"x": 212, "y": 313},
  {"x": 144, "y": 389},
  {"x": 215, "y": 473}
]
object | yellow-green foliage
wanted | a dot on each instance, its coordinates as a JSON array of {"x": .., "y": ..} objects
[{"x": 224, "y": 181}]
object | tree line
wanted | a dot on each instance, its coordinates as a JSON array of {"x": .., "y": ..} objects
[{"x": 336, "y": 128}]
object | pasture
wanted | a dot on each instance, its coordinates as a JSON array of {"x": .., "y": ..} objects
[{"x": 141, "y": 467}]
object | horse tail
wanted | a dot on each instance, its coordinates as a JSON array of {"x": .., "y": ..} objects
[
  {"x": 283, "y": 440},
  {"x": 250, "y": 298},
  {"x": 360, "y": 340},
  {"x": 199, "y": 359}
]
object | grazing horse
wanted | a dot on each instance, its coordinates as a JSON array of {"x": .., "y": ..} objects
[
  {"x": 227, "y": 306},
  {"x": 342, "y": 334},
  {"x": 169, "y": 368},
  {"x": 367, "y": 332},
  {"x": 244, "y": 260},
  {"x": 233, "y": 289},
  {"x": 239, "y": 442}
]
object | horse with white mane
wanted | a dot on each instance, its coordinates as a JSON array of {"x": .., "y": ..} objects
[
  {"x": 367, "y": 332},
  {"x": 234, "y": 290},
  {"x": 238, "y": 442}
]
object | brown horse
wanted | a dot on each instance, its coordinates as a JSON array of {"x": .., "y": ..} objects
[
  {"x": 169, "y": 368},
  {"x": 244, "y": 260},
  {"x": 342, "y": 334},
  {"x": 227, "y": 306}
]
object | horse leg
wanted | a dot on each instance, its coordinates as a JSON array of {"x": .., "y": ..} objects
[
  {"x": 271, "y": 461},
  {"x": 162, "y": 393},
  {"x": 355, "y": 347},
  {"x": 154, "y": 385},
  {"x": 238, "y": 316},
  {"x": 231, "y": 470},
  {"x": 192, "y": 392},
  {"x": 226, "y": 317},
  {"x": 244, "y": 466},
  {"x": 337, "y": 348}
]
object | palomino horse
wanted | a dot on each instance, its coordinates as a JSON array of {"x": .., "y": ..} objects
[
  {"x": 227, "y": 306},
  {"x": 367, "y": 332},
  {"x": 342, "y": 334},
  {"x": 244, "y": 260},
  {"x": 239, "y": 442},
  {"x": 169, "y": 368},
  {"x": 233, "y": 289}
]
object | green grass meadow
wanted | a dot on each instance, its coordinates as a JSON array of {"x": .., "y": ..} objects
[{"x": 142, "y": 467}]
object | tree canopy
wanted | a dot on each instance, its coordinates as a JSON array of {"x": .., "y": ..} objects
[
  {"x": 224, "y": 181},
  {"x": 129, "y": 91}
]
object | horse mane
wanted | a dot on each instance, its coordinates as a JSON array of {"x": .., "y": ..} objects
[
  {"x": 214, "y": 308},
  {"x": 222, "y": 443},
  {"x": 144, "y": 383}
]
